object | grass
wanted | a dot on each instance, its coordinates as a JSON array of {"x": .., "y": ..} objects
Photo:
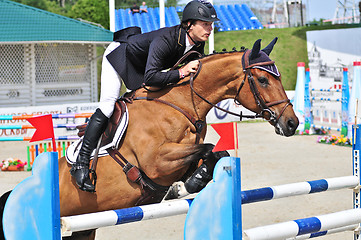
[{"x": 290, "y": 48}]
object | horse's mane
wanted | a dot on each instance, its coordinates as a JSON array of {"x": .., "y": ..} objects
[{"x": 243, "y": 49}]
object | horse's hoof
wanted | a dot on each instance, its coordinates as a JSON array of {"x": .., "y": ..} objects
[
  {"x": 176, "y": 191},
  {"x": 172, "y": 193}
]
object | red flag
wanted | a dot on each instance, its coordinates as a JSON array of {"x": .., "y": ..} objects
[
  {"x": 44, "y": 128},
  {"x": 228, "y": 134}
]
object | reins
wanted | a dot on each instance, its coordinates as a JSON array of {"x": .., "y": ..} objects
[
  {"x": 135, "y": 175},
  {"x": 240, "y": 115},
  {"x": 265, "y": 107},
  {"x": 265, "y": 112},
  {"x": 175, "y": 66}
]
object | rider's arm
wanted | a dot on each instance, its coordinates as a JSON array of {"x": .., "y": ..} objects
[{"x": 159, "y": 52}]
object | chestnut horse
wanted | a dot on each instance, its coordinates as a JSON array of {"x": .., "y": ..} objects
[{"x": 162, "y": 142}]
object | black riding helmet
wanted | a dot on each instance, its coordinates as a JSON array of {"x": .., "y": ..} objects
[{"x": 199, "y": 10}]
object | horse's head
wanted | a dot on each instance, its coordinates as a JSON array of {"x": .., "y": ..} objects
[{"x": 264, "y": 83}]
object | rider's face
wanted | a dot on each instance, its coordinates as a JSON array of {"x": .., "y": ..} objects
[{"x": 200, "y": 30}]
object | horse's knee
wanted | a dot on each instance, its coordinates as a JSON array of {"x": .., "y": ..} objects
[
  {"x": 221, "y": 154},
  {"x": 211, "y": 158}
]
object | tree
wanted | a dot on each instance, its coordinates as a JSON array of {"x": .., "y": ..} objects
[
  {"x": 55, "y": 6},
  {"x": 93, "y": 11},
  {"x": 42, "y": 4}
]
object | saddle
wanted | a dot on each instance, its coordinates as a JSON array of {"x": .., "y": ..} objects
[
  {"x": 151, "y": 192},
  {"x": 110, "y": 132}
]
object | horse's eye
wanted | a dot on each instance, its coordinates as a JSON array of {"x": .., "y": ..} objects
[{"x": 263, "y": 80}]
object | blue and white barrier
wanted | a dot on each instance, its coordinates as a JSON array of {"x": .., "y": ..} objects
[
  {"x": 295, "y": 189},
  {"x": 223, "y": 222},
  {"x": 303, "y": 226},
  {"x": 177, "y": 207},
  {"x": 324, "y": 110},
  {"x": 323, "y": 233},
  {"x": 115, "y": 217},
  {"x": 215, "y": 213}
]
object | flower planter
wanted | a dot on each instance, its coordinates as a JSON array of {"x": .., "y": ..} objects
[{"x": 12, "y": 168}]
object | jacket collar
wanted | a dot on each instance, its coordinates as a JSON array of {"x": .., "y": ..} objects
[{"x": 182, "y": 34}]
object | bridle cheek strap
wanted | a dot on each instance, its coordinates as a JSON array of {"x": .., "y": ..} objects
[{"x": 264, "y": 107}]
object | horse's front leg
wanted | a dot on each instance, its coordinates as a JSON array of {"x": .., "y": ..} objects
[
  {"x": 204, "y": 173},
  {"x": 181, "y": 155}
]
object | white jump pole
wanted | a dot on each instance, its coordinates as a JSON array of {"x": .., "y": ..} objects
[
  {"x": 115, "y": 217},
  {"x": 292, "y": 229},
  {"x": 300, "y": 188}
]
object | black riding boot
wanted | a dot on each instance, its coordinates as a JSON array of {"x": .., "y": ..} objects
[{"x": 80, "y": 170}]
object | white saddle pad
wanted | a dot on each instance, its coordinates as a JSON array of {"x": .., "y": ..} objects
[{"x": 72, "y": 151}]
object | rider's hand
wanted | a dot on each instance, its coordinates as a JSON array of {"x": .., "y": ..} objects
[{"x": 191, "y": 67}]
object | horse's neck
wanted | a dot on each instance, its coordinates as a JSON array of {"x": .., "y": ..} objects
[{"x": 218, "y": 80}]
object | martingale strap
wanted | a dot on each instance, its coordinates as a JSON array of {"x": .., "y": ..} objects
[{"x": 129, "y": 169}]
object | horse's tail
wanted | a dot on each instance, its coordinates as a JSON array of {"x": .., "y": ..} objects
[{"x": 3, "y": 199}]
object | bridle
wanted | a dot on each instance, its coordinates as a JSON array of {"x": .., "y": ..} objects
[
  {"x": 265, "y": 108},
  {"x": 266, "y": 112}
]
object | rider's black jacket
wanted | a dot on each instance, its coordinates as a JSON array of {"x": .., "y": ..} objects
[{"x": 140, "y": 58}]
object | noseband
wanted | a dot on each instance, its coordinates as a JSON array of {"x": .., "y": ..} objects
[{"x": 266, "y": 111}]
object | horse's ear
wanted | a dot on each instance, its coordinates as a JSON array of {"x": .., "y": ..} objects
[
  {"x": 269, "y": 48},
  {"x": 255, "y": 50}
]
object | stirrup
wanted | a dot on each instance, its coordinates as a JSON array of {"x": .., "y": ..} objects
[{"x": 86, "y": 183}]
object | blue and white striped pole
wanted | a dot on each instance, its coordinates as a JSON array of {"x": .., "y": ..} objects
[
  {"x": 323, "y": 233},
  {"x": 292, "y": 229},
  {"x": 344, "y": 102},
  {"x": 308, "y": 106},
  {"x": 294, "y": 189},
  {"x": 115, "y": 217},
  {"x": 356, "y": 147}
]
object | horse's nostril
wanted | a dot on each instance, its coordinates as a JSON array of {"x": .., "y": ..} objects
[{"x": 292, "y": 125}]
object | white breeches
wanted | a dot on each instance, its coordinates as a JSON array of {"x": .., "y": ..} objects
[{"x": 110, "y": 82}]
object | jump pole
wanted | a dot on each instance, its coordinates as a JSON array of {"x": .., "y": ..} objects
[
  {"x": 115, "y": 217},
  {"x": 61, "y": 115},
  {"x": 4, "y": 139},
  {"x": 172, "y": 208},
  {"x": 223, "y": 221},
  {"x": 303, "y": 226},
  {"x": 356, "y": 147},
  {"x": 31, "y": 127}
]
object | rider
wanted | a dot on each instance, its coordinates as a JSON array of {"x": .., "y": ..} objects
[{"x": 134, "y": 59}]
